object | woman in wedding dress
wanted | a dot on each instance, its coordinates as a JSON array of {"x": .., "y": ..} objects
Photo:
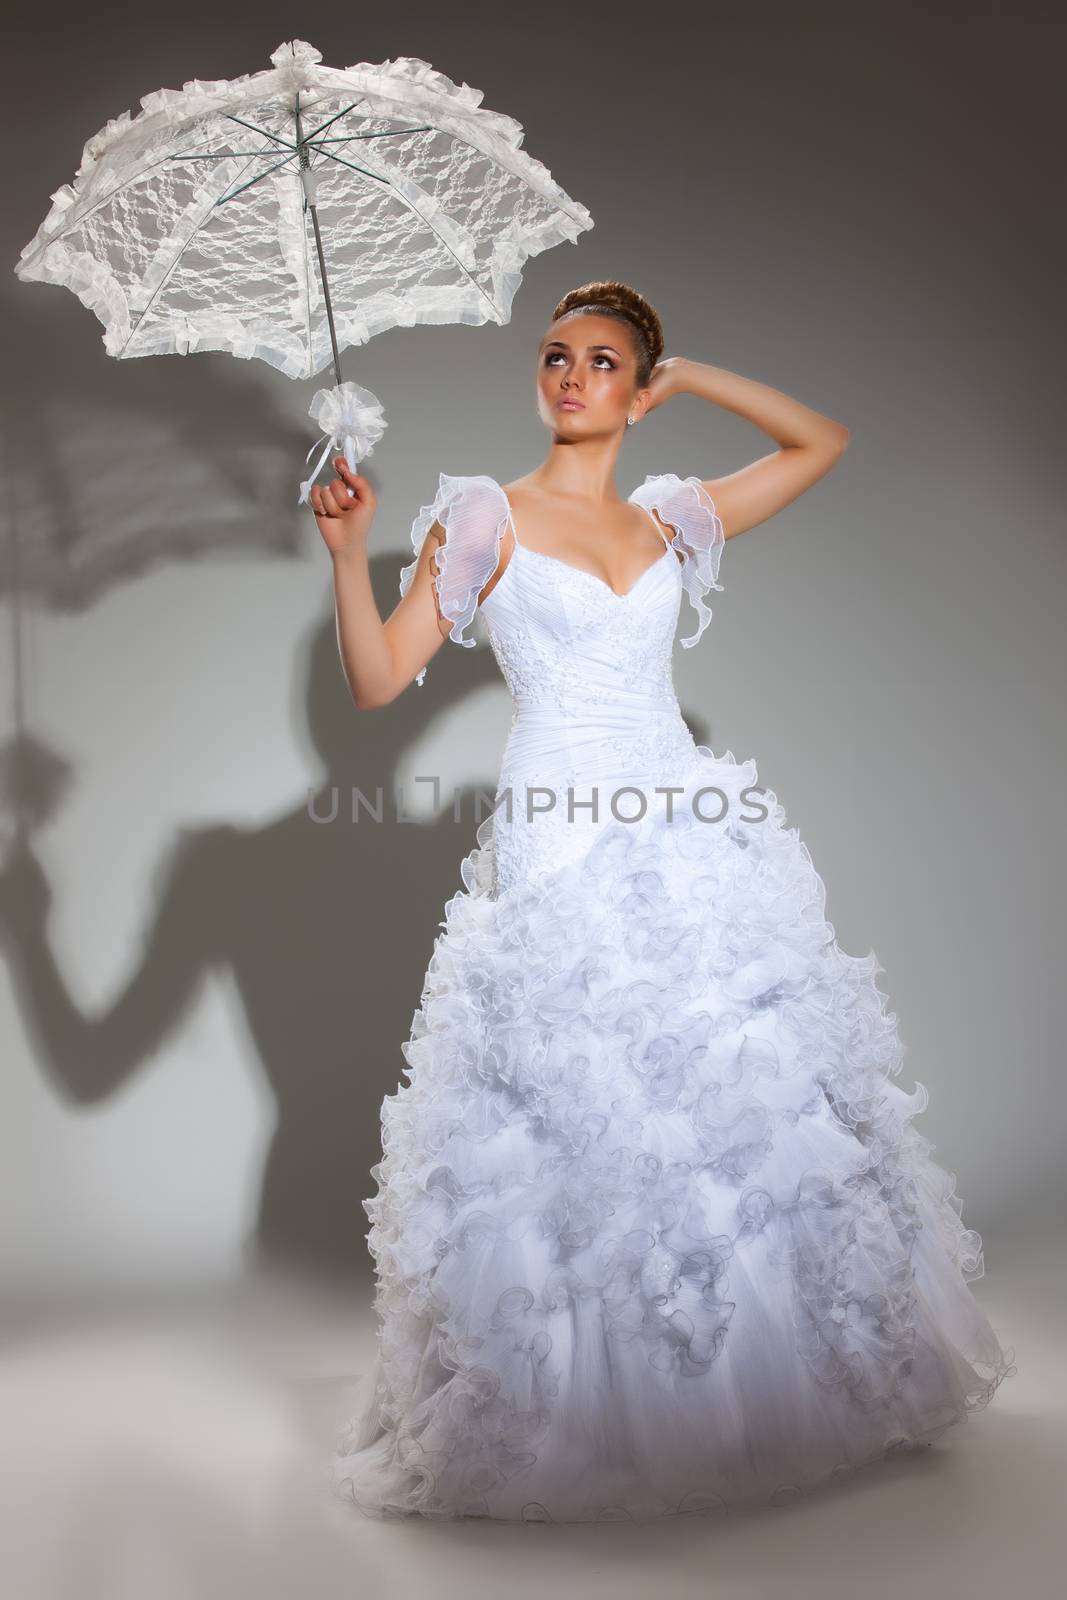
[{"x": 655, "y": 1232}]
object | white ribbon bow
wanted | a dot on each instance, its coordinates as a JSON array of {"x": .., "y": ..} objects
[{"x": 352, "y": 421}]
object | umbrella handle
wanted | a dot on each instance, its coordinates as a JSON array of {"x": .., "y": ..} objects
[{"x": 352, "y": 421}]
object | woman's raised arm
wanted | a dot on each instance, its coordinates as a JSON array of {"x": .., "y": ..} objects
[
  {"x": 809, "y": 442},
  {"x": 379, "y": 659}
]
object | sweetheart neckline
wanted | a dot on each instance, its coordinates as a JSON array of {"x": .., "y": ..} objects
[
  {"x": 568, "y": 566},
  {"x": 582, "y": 572}
]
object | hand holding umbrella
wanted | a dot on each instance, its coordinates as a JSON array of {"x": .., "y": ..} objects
[{"x": 344, "y": 509}]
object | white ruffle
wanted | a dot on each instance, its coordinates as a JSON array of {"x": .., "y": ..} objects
[
  {"x": 699, "y": 535},
  {"x": 654, "y": 1231},
  {"x": 473, "y": 511},
  {"x": 440, "y": 234}
]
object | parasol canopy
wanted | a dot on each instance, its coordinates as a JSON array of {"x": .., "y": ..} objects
[{"x": 291, "y": 213}]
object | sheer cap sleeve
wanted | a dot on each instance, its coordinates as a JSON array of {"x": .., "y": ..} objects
[
  {"x": 473, "y": 511},
  {"x": 698, "y": 535}
]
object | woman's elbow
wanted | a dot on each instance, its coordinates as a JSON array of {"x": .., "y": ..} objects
[{"x": 372, "y": 702}]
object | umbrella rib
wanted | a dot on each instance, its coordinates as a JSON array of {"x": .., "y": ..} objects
[
  {"x": 384, "y": 133},
  {"x": 286, "y": 144},
  {"x": 151, "y": 301},
  {"x": 329, "y": 122},
  {"x": 218, "y": 155},
  {"x": 473, "y": 144},
  {"x": 521, "y": 177},
  {"x": 352, "y": 167},
  {"x": 221, "y": 201},
  {"x": 128, "y": 183},
  {"x": 426, "y": 224}
]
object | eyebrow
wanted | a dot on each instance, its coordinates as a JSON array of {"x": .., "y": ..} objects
[{"x": 563, "y": 343}]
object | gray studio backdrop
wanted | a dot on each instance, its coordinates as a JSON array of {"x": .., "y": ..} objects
[{"x": 861, "y": 211}]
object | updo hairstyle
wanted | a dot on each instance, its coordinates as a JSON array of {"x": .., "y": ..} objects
[{"x": 614, "y": 299}]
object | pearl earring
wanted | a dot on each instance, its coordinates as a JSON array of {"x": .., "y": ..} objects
[{"x": 629, "y": 422}]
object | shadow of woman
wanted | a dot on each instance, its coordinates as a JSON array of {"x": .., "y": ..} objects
[{"x": 326, "y": 925}]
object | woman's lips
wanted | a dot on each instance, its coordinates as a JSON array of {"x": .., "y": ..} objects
[{"x": 571, "y": 405}]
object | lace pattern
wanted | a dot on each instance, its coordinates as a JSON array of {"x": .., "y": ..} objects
[
  {"x": 537, "y": 670},
  {"x": 181, "y": 231}
]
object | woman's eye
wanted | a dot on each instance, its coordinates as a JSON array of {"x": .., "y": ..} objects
[{"x": 553, "y": 355}]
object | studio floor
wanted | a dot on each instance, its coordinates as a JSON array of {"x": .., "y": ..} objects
[{"x": 177, "y": 1446}]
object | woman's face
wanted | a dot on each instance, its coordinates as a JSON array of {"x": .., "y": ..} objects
[{"x": 589, "y": 359}]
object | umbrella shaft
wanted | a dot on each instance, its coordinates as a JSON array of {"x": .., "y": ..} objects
[
  {"x": 305, "y": 162},
  {"x": 326, "y": 292}
]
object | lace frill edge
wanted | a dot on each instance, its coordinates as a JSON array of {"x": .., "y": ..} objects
[
  {"x": 50, "y": 260},
  {"x": 399, "y": 83}
]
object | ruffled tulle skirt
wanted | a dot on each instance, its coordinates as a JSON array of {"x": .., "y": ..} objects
[{"x": 655, "y": 1232}]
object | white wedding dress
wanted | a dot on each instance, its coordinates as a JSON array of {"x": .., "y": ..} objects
[{"x": 654, "y": 1231}]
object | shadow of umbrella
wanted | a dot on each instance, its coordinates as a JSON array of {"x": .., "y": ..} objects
[
  {"x": 204, "y": 221},
  {"x": 112, "y": 469},
  {"x": 157, "y": 469},
  {"x": 326, "y": 930}
]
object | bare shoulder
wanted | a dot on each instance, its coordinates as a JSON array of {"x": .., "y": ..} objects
[{"x": 519, "y": 489}]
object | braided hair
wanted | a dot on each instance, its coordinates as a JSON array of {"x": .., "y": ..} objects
[{"x": 615, "y": 299}]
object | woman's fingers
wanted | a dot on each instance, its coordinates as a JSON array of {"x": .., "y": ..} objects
[
  {"x": 339, "y": 489},
  {"x": 342, "y": 495}
]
